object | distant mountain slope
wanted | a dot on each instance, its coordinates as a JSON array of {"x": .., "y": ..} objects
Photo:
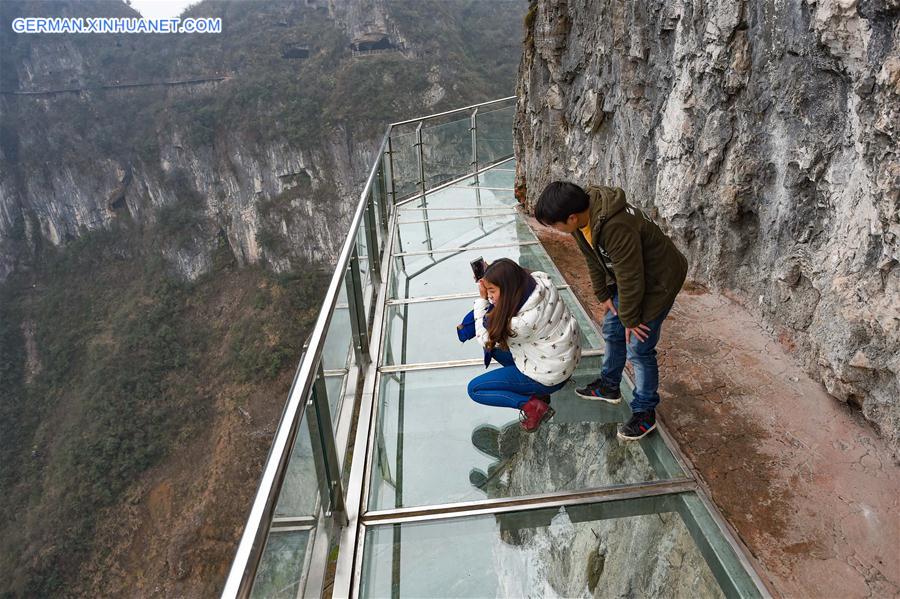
[{"x": 163, "y": 251}]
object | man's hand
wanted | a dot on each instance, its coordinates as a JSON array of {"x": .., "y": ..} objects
[
  {"x": 608, "y": 304},
  {"x": 641, "y": 331},
  {"x": 481, "y": 290}
]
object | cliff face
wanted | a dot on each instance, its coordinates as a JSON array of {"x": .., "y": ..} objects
[
  {"x": 221, "y": 185},
  {"x": 763, "y": 137},
  {"x": 62, "y": 202},
  {"x": 264, "y": 149}
]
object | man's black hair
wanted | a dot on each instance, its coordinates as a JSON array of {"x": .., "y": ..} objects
[{"x": 559, "y": 200}]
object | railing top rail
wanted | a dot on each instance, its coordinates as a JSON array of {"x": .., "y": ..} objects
[{"x": 454, "y": 111}]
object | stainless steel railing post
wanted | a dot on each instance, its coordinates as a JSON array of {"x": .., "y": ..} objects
[
  {"x": 420, "y": 155},
  {"x": 321, "y": 434},
  {"x": 382, "y": 194},
  {"x": 390, "y": 154},
  {"x": 358, "y": 320},
  {"x": 369, "y": 224},
  {"x": 473, "y": 128}
]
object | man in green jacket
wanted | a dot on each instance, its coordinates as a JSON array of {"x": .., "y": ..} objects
[{"x": 636, "y": 272}]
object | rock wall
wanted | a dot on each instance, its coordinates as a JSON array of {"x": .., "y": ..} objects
[
  {"x": 58, "y": 202},
  {"x": 763, "y": 137},
  {"x": 300, "y": 198}
]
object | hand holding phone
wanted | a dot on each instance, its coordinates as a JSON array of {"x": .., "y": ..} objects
[{"x": 478, "y": 267}]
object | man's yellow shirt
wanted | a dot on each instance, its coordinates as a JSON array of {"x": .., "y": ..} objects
[{"x": 586, "y": 231}]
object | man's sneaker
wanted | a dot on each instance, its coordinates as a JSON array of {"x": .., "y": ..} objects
[
  {"x": 600, "y": 391},
  {"x": 533, "y": 413},
  {"x": 639, "y": 426}
]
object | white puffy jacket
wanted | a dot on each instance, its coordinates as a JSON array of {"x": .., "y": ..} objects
[{"x": 547, "y": 342}]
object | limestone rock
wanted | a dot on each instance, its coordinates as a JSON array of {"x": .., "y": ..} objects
[{"x": 763, "y": 136}]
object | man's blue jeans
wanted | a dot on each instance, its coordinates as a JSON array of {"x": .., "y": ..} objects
[
  {"x": 506, "y": 387},
  {"x": 641, "y": 354}
]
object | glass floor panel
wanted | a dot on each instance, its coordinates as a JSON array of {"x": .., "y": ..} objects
[
  {"x": 634, "y": 548},
  {"x": 403, "y": 346},
  {"x": 435, "y": 445},
  {"x": 461, "y": 197},
  {"x": 445, "y": 274},
  {"x": 414, "y": 237}
]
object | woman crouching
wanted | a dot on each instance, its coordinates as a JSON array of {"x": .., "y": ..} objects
[{"x": 530, "y": 331}]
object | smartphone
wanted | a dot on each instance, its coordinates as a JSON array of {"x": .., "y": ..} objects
[{"x": 478, "y": 267}]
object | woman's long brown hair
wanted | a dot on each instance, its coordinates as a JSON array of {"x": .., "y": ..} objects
[{"x": 513, "y": 281}]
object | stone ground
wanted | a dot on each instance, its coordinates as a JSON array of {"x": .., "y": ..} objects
[{"x": 808, "y": 485}]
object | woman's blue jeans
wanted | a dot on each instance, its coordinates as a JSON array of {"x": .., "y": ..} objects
[
  {"x": 641, "y": 354},
  {"x": 506, "y": 387}
]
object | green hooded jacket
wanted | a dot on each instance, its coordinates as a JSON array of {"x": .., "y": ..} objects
[{"x": 631, "y": 252}]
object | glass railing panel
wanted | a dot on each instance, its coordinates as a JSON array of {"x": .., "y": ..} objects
[
  {"x": 447, "y": 151},
  {"x": 426, "y": 418},
  {"x": 339, "y": 338},
  {"x": 281, "y": 568},
  {"x": 337, "y": 353},
  {"x": 300, "y": 492},
  {"x": 284, "y": 567},
  {"x": 405, "y": 343},
  {"x": 495, "y": 135},
  {"x": 437, "y": 234},
  {"x": 417, "y": 215},
  {"x": 630, "y": 548},
  {"x": 445, "y": 274},
  {"x": 455, "y": 198},
  {"x": 414, "y": 236},
  {"x": 502, "y": 179},
  {"x": 405, "y": 164}
]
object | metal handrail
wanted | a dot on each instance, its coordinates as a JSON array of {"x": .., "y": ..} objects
[
  {"x": 454, "y": 111},
  {"x": 249, "y": 552}
]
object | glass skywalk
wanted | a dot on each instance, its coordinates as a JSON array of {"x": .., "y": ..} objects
[
  {"x": 435, "y": 448},
  {"x": 386, "y": 480}
]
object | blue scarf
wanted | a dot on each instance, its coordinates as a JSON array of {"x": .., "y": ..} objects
[{"x": 466, "y": 329}]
